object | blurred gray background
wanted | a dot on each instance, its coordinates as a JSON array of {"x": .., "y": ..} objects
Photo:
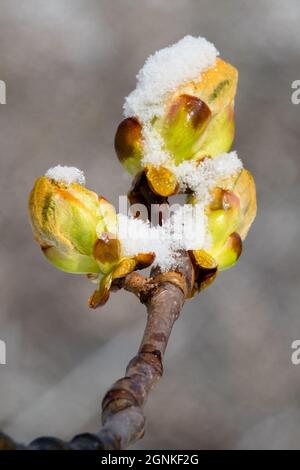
[{"x": 229, "y": 381}]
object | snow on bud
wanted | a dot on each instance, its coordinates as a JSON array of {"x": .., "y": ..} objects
[
  {"x": 194, "y": 120},
  {"x": 230, "y": 214},
  {"x": 64, "y": 218},
  {"x": 77, "y": 231}
]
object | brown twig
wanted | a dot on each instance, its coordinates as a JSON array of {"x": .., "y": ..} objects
[{"x": 122, "y": 407}]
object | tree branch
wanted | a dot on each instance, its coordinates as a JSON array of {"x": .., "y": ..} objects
[{"x": 122, "y": 407}]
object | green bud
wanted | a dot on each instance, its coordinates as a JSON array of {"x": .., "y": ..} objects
[
  {"x": 65, "y": 219},
  {"x": 76, "y": 230},
  {"x": 200, "y": 121},
  {"x": 229, "y": 217}
]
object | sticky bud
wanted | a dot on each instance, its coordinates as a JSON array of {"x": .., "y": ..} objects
[
  {"x": 128, "y": 145},
  {"x": 230, "y": 214},
  {"x": 76, "y": 230},
  {"x": 197, "y": 120},
  {"x": 64, "y": 220}
]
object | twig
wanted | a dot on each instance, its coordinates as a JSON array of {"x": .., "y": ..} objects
[{"x": 122, "y": 407}]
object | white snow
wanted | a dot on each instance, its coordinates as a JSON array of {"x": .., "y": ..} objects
[
  {"x": 186, "y": 227},
  {"x": 164, "y": 71},
  {"x": 203, "y": 177},
  {"x": 67, "y": 174},
  {"x": 154, "y": 152}
]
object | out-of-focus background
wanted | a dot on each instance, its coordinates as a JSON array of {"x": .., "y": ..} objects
[{"x": 229, "y": 381}]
